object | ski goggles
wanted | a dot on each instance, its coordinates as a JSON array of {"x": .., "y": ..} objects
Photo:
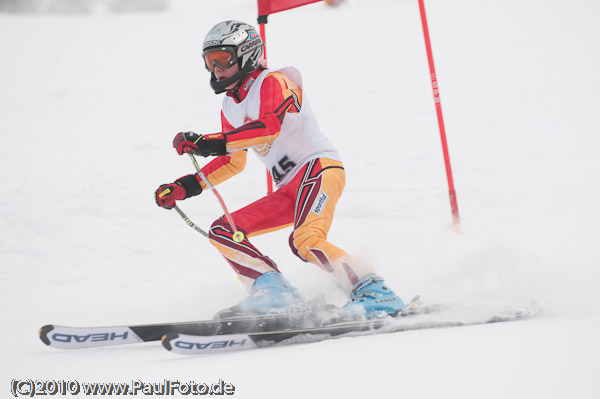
[{"x": 223, "y": 57}]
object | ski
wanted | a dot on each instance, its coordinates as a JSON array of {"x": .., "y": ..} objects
[
  {"x": 308, "y": 323},
  {"x": 65, "y": 337},
  {"x": 424, "y": 318}
]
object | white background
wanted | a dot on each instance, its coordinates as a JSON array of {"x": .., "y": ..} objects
[{"x": 89, "y": 106}]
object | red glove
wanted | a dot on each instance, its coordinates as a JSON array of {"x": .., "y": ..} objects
[
  {"x": 190, "y": 142},
  {"x": 185, "y": 142},
  {"x": 167, "y": 194}
]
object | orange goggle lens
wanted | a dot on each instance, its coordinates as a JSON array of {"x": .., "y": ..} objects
[{"x": 223, "y": 59}]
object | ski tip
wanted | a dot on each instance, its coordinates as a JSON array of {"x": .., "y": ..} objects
[
  {"x": 43, "y": 333},
  {"x": 167, "y": 338}
]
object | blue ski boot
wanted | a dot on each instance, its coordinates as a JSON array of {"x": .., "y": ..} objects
[
  {"x": 270, "y": 291},
  {"x": 372, "y": 298}
]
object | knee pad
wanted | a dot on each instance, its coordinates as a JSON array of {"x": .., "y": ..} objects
[
  {"x": 221, "y": 232},
  {"x": 301, "y": 244},
  {"x": 218, "y": 227}
]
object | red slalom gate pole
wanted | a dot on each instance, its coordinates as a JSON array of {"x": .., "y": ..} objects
[
  {"x": 263, "y": 35},
  {"x": 438, "y": 108}
]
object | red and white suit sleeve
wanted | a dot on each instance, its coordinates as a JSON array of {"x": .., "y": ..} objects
[
  {"x": 226, "y": 166},
  {"x": 278, "y": 95}
]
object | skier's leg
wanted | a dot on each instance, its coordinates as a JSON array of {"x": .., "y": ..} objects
[
  {"x": 270, "y": 213},
  {"x": 317, "y": 196},
  {"x": 321, "y": 187},
  {"x": 266, "y": 286}
]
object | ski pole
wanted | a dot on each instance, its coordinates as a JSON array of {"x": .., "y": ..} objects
[
  {"x": 238, "y": 236},
  {"x": 189, "y": 222},
  {"x": 193, "y": 226}
]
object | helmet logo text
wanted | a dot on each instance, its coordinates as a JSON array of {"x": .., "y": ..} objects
[{"x": 252, "y": 44}]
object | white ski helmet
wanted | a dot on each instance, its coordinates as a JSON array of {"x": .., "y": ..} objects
[{"x": 231, "y": 42}]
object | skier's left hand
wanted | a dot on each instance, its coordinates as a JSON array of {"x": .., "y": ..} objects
[{"x": 210, "y": 144}]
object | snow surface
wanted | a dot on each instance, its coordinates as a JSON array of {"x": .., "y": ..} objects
[{"x": 90, "y": 104}]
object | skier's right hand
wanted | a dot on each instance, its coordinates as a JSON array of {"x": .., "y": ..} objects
[
  {"x": 207, "y": 145},
  {"x": 186, "y": 142},
  {"x": 167, "y": 194}
]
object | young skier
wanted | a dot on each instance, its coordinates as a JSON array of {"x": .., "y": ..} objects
[{"x": 267, "y": 112}]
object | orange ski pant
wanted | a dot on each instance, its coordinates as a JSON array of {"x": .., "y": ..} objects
[{"x": 308, "y": 204}]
